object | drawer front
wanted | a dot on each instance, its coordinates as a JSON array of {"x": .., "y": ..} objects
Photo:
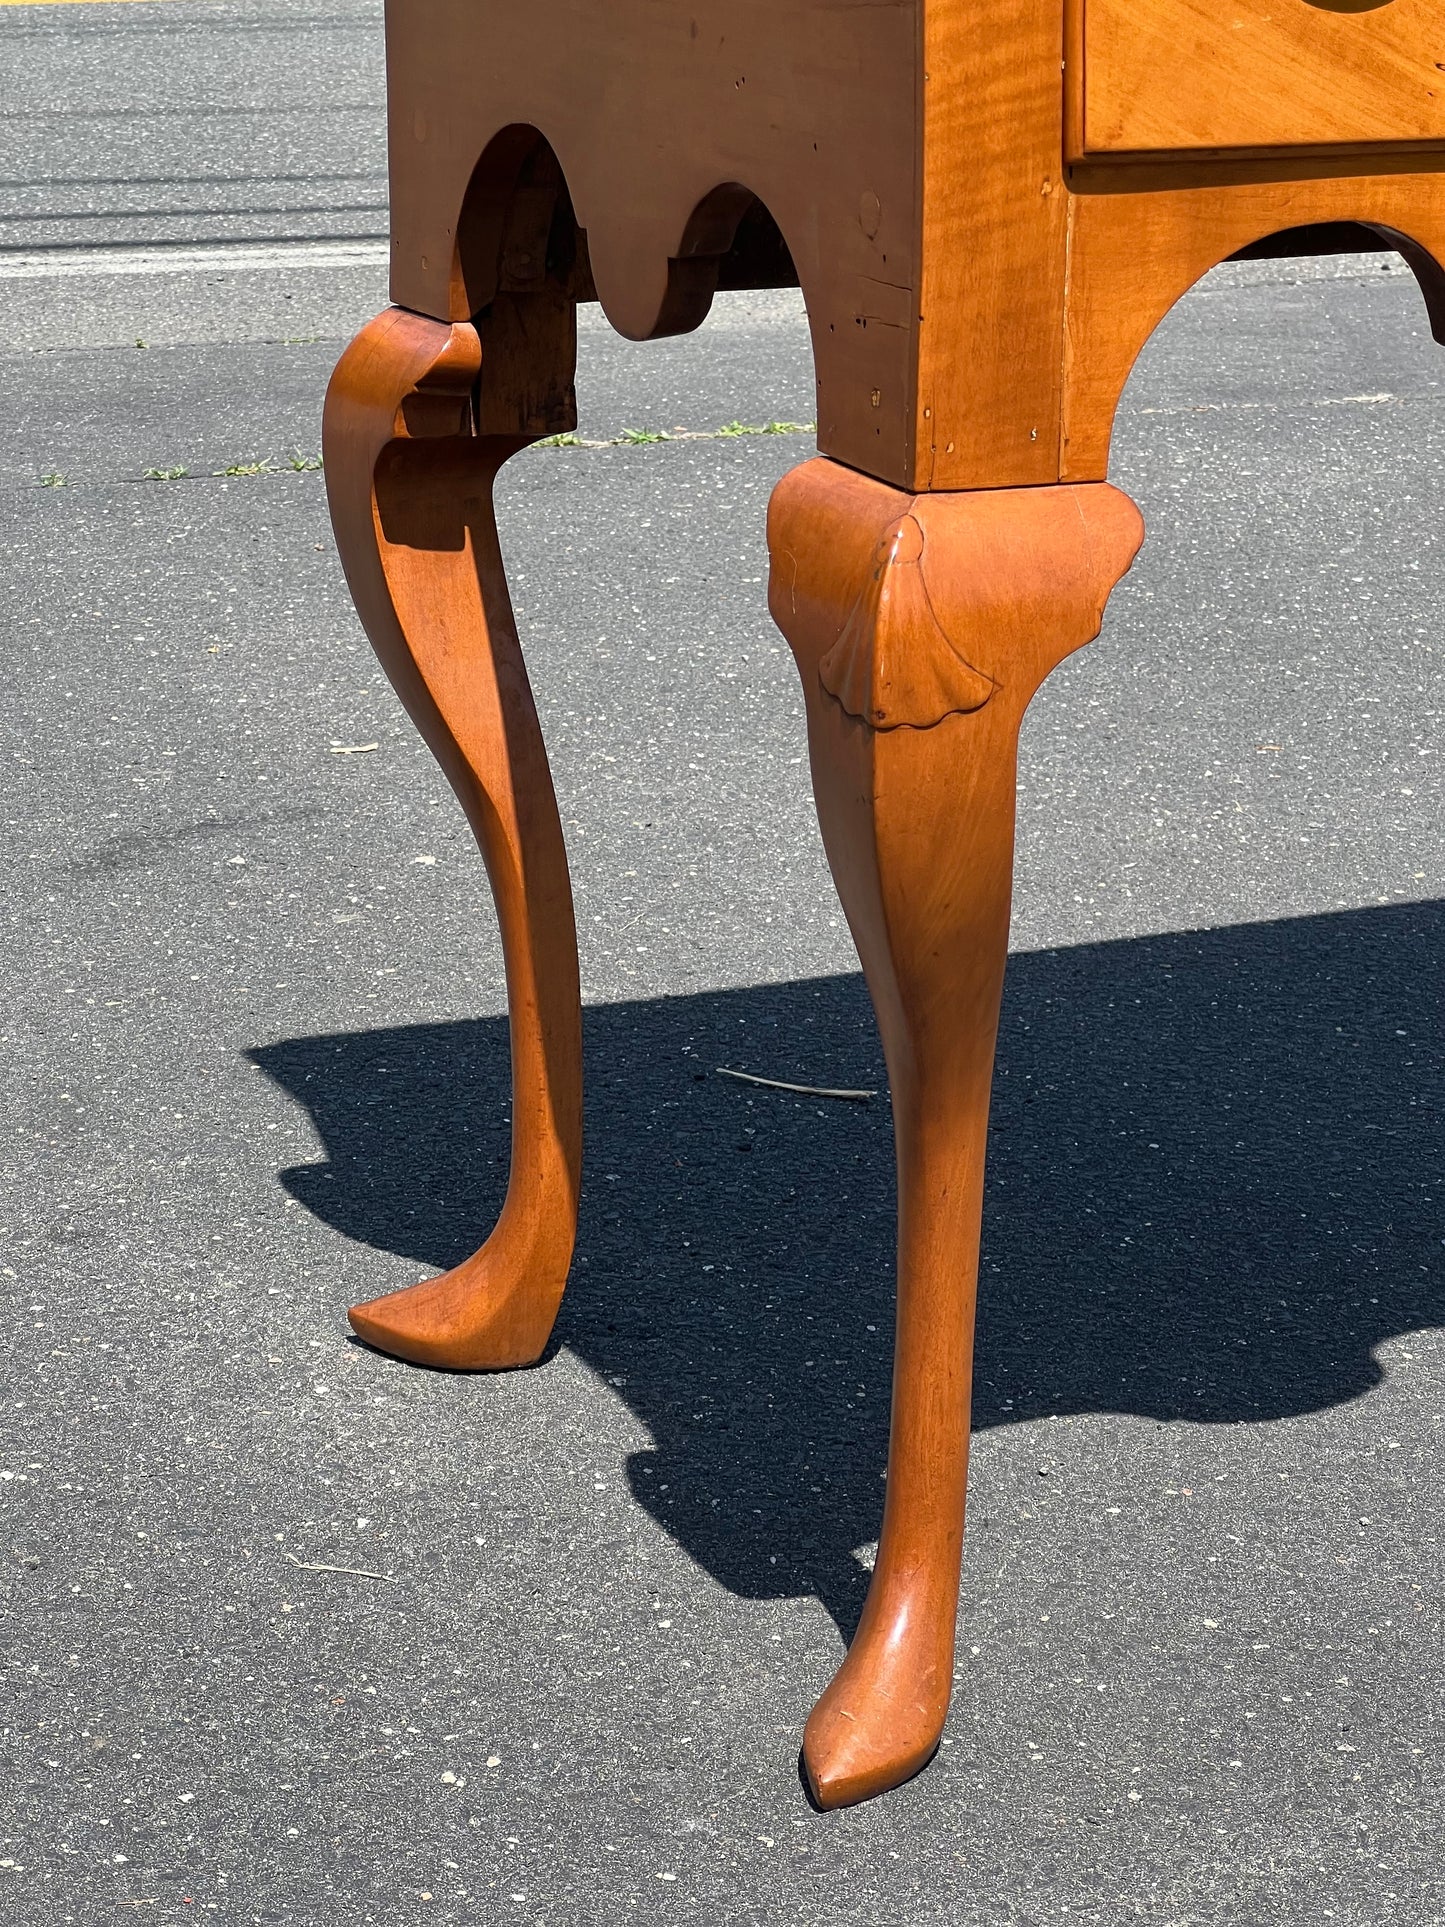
[{"x": 1164, "y": 75}]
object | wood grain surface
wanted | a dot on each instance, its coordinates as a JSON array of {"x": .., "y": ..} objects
[
  {"x": 1171, "y": 74},
  {"x": 410, "y": 485},
  {"x": 918, "y": 167},
  {"x": 669, "y": 122},
  {"x": 917, "y": 814},
  {"x": 1136, "y": 248}
]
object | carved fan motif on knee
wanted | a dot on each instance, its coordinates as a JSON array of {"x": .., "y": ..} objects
[{"x": 894, "y": 666}]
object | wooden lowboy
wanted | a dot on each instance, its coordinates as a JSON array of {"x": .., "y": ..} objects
[{"x": 989, "y": 205}]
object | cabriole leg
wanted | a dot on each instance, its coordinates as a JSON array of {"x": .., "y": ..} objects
[
  {"x": 922, "y": 627},
  {"x": 410, "y": 483}
]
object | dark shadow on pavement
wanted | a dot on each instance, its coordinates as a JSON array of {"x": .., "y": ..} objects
[{"x": 1215, "y": 1186}]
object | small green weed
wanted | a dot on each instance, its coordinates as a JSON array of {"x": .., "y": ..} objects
[
  {"x": 643, "y": 437},
  {"x": 246, "y": 468},
  {"x": 730, "y": 429},
  {"x": 303, "y": 464},
  {"x": 53, "y": 480},
  {"x": 165, "y": 474}
]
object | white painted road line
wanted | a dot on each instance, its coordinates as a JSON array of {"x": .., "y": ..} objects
[{"x": 52, "y": 263}]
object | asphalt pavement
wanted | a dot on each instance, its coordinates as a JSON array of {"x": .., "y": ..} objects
[{"x": 294, "y": 1633}]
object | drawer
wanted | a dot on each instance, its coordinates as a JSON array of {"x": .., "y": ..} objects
[{"x": 1159, "y": 76}]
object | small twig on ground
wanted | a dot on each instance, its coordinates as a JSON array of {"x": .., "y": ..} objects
[
  {"x": 802, "y": 1090},
  {"x": 353, "y": 1572}
]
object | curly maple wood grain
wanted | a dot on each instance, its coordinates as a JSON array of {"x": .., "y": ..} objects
[
  {"x": 410, "y": 486},
  {"x": 918, "y": 823},
  {"x": 1172, "y": 74}
]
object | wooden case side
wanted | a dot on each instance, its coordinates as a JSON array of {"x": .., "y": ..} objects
[{"x": 812, "y": 109}]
